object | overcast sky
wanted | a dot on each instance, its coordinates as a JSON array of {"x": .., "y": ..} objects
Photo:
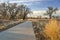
[{"x": 38, "y": 6}]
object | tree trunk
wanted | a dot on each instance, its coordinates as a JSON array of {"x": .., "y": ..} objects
[
  {"x": 24, "y": 16},
  {"x": 50, "y": 16}
]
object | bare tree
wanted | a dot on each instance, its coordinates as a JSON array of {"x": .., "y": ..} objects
[
  {"x": 12, "y": 9},
  {"x": 24, "y": 11},
  {"x": 50, "y": 11}
]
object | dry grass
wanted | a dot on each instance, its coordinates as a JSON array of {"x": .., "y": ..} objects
[
  {"x": 50, "y": 31},
  {"x": 4, "y": 25}
]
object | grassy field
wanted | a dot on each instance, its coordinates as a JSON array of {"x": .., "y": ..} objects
[
  {"x": 6, "y": 24},
  {"x": 46, "y": 29}
]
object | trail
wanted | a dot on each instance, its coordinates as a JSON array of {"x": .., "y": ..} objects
[{"x": 22, "y": 31}]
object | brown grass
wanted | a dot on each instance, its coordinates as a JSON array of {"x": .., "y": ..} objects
[{"x": 52, "y": 30}]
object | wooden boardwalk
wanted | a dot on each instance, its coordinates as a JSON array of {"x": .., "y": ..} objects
[{"x": 22, "y": 31}]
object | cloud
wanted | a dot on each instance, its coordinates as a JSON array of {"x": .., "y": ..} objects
[
  {"x": 16, "y": 1},
  {"x": 28, "y": 4},
  {"x": 34, "y": 0},
  {"x": 58, "y": 11},
  {"x": 37, "y": 13},
  {"x": 41, "y": 13}
]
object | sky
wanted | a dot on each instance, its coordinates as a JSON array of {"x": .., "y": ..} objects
[{"x": 36, "y": 5}]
